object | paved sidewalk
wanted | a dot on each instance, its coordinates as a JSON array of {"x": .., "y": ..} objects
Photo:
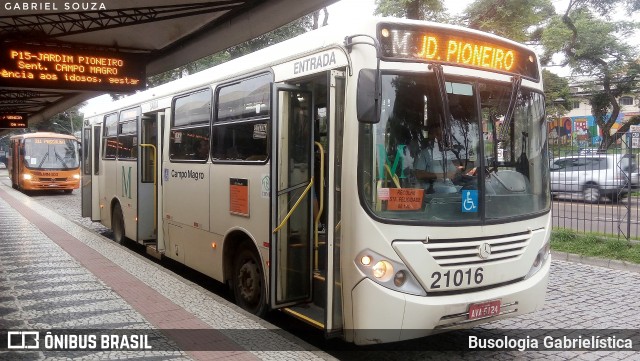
[
  {"x": 594, "y": 261},
  {"x": 55, "y": 274}
]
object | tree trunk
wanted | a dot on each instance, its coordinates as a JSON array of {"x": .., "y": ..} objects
[{"x": 413, "y": 10}]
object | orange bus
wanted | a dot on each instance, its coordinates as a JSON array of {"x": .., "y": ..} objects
[{"x": 44, "y": 160}]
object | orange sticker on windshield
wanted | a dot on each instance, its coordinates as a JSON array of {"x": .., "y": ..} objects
[{"x": 405, "y": 199}]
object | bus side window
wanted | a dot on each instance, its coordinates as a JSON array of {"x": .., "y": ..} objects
[
  {"x": 190, "y": 127},
  {"x": 240, "y": 132},
  {"x": 240, "y": 141},
  {"x": 189, "y": 144}
]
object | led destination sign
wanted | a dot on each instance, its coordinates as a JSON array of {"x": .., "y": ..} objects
[
  {"x": 12, "y": 121},
  {"x": 65, "y": 68},
  {"x": 457, "y": 48}
]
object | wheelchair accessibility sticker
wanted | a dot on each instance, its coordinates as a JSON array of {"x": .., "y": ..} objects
[{"x": 469, "y": 201}]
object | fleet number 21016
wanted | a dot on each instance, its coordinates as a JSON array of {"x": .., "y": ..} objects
[{"x": 457, "y": 278}]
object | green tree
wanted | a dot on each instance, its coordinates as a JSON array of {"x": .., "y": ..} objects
[
  {"x": 191, "y": 68},
  {"x": 66, "y": 122},
  {"x": 557, "y": 93},
  {"x": 592, "y": 46},
  {"x": 518, "y": 20},
  {"x": 285, "y": 32},
  {"x": 432, "y": 10}
]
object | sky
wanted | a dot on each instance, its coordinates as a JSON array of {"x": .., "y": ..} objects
[{"x": 344, "y": 10}]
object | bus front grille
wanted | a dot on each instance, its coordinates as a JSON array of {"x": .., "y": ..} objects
[
  {"x": 466, "y": 251},
  {"x": 52, "y": 179}
]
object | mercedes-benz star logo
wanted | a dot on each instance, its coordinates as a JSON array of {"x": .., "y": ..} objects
[{"x": 484, "y": 250}]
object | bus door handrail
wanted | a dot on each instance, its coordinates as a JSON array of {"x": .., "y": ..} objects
[
  {"x": 155, "y": 186},
  {"x": 286, "y": 218},
  {"x": 320, "y": 208}
]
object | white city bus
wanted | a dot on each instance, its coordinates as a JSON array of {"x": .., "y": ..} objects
[{"x": 382, "y": 181}]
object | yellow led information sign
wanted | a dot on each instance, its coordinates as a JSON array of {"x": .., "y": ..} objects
[
  {"x": 12, "y": 121},
  {"x": 49, "y": 141},
  {"x": 56, "y": 67},
  {"x": 456, "y": 47}
]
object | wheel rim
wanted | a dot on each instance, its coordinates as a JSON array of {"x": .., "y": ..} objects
[
  {"x": 248, "y": 282},
  {"x": 591, "y": 195}
]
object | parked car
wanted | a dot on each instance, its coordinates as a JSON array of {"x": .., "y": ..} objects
[
  {"x": 2, "y": 165},
  {"x": 589, "y": 151},
  {"x": 595, "y": 176}
]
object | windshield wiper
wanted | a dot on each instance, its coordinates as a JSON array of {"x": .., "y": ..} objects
[
  {"x": 58, "y": 157},
  {"x": 447, "y": 142},
  {"x": 516, "y": 82},
  {"x": 494, "y": 133},
  {"x": 46, "y": 155}
]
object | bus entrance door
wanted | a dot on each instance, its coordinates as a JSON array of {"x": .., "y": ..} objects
[
  {"x": 291, "y": 196},
  {"x": 90, "y": 169},
  {"x": 147, "y": 179},
  {"x": 333, "y": 205}
]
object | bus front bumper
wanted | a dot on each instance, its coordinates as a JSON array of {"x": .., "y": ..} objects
[
  {"x": 35, "y": 185},
  {"x": 383, "y": 315}
]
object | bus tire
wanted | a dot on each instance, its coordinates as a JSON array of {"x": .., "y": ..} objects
[
  {"x": 117, "y": 224},
  {"x": 68, "y": 191},
  {"x": 248, "y": 281}
]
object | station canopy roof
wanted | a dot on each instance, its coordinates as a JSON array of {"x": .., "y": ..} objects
[{"x": 165, "y": 34}]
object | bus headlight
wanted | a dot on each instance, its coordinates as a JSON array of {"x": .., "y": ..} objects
[
  {"x": 382, "y": 270},
  {"x": 27, "y": 176},
  {"x": 387, "y": 273},
  {"x": 76, "y": 176},
  {"x": 541, "y": 258}
]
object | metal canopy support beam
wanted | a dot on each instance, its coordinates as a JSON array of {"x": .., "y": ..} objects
[
  {"x": 66, "y": 102},
  {"x": 27, "y": 101},
  {"x": 261, "y": 19},
  {"x": 64, "y": 24}
]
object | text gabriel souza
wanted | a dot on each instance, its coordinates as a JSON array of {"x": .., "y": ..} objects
[
  {"x": 550, "y": 342},
  {"x": 51, "y": 6}
]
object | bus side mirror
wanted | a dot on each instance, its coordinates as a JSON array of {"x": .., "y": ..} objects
[
  {"x": 22, "y": 151},
  {"x": 367, "y": 101}
]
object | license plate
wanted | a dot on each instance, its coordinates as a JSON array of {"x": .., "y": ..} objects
[{"x": 485, "y": 309}]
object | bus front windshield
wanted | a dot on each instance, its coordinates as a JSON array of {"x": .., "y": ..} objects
[
  {"x": 51, "y": 153},
  {"x": 477, "y": 166}
]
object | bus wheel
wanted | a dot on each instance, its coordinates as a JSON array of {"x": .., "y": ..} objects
[
  {"x": 248, "y": 282},
  {"x": 117, "y": 224},
  {"x": 68, "y": 191}
]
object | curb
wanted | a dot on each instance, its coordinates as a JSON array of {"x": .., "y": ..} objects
[{"x": 594, "y": 261}]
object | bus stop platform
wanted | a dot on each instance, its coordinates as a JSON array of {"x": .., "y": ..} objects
[{"x": 67, "y": 292}]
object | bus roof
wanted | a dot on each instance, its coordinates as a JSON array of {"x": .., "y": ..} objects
[{"x": 43, "y": 135}]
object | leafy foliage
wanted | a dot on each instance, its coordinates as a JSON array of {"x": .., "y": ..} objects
[
  {"x": 557, "y": 93},
  {"x": 288, "y": 31},
  {"x": 519, "y": 20},
  {"x": 64, "y": 122},
  {"x": 432, "y": 10},
  {"x": 592, "y": 47}
]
